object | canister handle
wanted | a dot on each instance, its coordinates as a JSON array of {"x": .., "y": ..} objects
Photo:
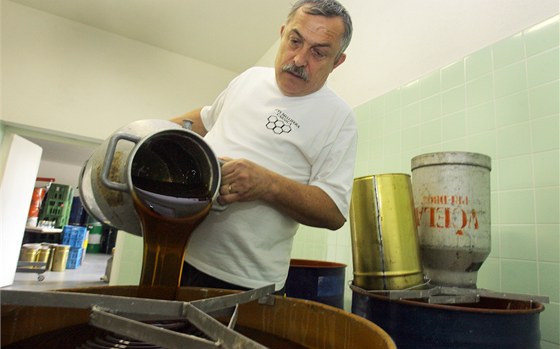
[
  {"x": 216, "y": 206},
  {"x": 111, "y": 147}
]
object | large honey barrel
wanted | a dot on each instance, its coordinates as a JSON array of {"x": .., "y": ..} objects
[{"x": 295, "y": 323}]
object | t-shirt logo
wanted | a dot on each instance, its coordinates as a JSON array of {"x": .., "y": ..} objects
[{"x": 280, "y": 123}]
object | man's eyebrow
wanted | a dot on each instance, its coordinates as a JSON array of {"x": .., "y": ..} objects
[{"x": 295, "y": 31}]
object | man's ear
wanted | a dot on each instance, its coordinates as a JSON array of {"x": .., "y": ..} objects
[{"x": 339, "y": 61}]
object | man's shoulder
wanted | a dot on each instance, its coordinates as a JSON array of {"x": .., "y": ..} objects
[{"x": 330, "y": 99}]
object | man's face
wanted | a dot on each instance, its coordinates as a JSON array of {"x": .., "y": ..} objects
[{"x": 310, "y": 48}]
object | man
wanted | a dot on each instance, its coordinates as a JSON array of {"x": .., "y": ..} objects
[{"x": 288, "y": 144}]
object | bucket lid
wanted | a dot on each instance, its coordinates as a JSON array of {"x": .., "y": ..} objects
[{"x": 451, "y": 158}]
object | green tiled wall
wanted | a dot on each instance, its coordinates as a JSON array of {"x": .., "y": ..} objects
[{"x": 502, "y": 101}]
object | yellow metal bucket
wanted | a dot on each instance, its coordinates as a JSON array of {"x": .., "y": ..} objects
[{"x": 385, "y": 247}]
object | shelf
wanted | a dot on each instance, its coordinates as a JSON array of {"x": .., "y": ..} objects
[{"x": 43, "y": 230}]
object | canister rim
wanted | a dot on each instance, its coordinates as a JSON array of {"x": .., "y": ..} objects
[
  {"x": 451, "y": 158},
  {"x": 367, "y": 177}
]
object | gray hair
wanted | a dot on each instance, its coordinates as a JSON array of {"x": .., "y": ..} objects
[{"x": 327, "y": 8}]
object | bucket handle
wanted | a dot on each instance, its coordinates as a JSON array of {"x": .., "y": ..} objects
[{"x": 111, "y": 147}]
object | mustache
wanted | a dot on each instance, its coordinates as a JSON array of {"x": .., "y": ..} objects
[{"x": 297, "y": 71}]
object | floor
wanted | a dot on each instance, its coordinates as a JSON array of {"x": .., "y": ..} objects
[{"x": 90, "y": 273}]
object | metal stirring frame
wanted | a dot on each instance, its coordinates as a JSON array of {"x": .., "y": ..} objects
[{"x": 123, "y": 315}]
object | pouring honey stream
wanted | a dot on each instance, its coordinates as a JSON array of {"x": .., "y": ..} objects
[{"x": 165, "y": 240}]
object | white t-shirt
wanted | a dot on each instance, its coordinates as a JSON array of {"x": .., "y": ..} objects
[{"x": 310, "y": 139}]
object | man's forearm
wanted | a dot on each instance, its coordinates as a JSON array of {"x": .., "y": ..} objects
[
  {"x": 307, "y": 204},
  {"x": 244, "y": 180}
]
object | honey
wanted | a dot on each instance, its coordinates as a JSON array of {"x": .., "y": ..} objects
[{"x": 165, "y": 240}]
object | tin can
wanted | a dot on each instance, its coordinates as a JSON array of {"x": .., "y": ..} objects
[
  {"x": 385, "y": 246},
  {"x": 51, "y": 247},
  {"x": 43, "y": 256},
  {"x": 28, "y": 252},
  {"x": 60, "y": 257},
  {"x": 452, "y": 204}
]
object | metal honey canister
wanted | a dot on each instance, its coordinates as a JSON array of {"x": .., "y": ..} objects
[
  {"x": 452, "y": 203},
  {"x": 169, "y": 168},
  {"x": 385, "y": 247}
]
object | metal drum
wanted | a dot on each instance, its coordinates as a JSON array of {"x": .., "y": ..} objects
[
  {"x": 385, "y": 248},
  {"x": 452, "y": 200},
  {"x": 319, "y": 281},
  {"x": 497, "y": 323}
]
